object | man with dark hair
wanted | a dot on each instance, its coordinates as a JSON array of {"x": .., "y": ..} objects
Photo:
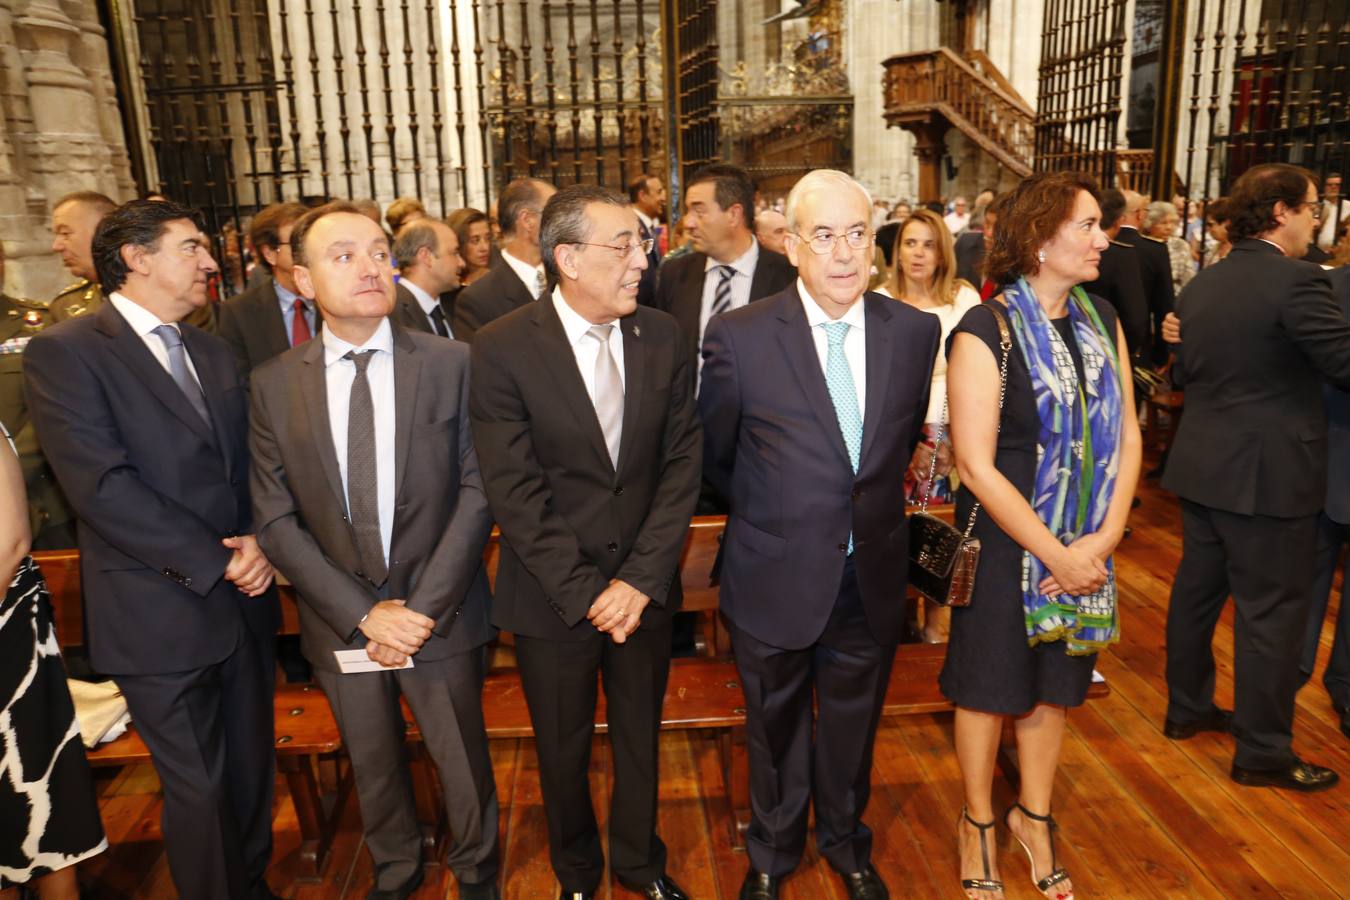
[
  {"x": 586, "y": 432},
  {"x": 1155, "y": 269},
  {"x": 427, "y": 252},
  {"x": 271, "y": 317},
  {"x": 1118, "y": 276},
  {"x": 647, "y": 194},
  {"x": 1262, "y": 331},
  {"x": 145, "y": 423},
  {"x": 519, "y": 279},
  {"x": 968, "y": 247},
  {"x": 368, "y": 496},
  {"x": 729, "y": 267},
  {"x": 49, "y": 518}
]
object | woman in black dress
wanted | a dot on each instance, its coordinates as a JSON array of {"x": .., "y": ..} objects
[
  {"x": 1054, "y": 471},
  {"x": 49, "y": 816}
]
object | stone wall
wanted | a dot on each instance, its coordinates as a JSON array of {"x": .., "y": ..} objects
[{"x": 60, "y": 130}]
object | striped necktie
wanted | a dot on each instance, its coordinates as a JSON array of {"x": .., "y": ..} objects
[{"x": 722, "y": 298}]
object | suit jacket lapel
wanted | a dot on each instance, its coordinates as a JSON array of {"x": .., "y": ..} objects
[
  {"x": 635, "y": 361},
  {"x": 213, "y": 389},
  {"x": 128, "y": 346},
  {"x": 314, "y": 391},
  {"x": 562, "y": 369},
  {"x": 407, "y": 370},
  {"x": 795, "y": 336},
  {"x": 760, "y": 287},
  {"x": 412, "y": 311},
  {"x": 273, "y": 321},
  {"x": 877, "y": 340}
]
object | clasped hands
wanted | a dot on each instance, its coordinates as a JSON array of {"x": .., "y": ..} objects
[
  {"x": 248, "y": 569},
  {"x": 394, "y": 632},
  {"x": 1080, "y": 568},
  {"x": 617, "y": 611}
]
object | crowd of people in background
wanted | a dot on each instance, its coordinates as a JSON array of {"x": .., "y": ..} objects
[{"x": 587, "y": 370}]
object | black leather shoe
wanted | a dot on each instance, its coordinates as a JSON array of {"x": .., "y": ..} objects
[
  {"x": 1297, "y": 776},
  {"x": 758, "y": 886},
  {"x": 1345, "y": 719},
  {"x": 663, "y": 888},
  {"x": 1220, "y": 720},
  {"x": 576, "y": 895},
  {"x": 402, "y": 892},
  {"x": 865, "y": 885},
  {"x": 484, "y": 890}
]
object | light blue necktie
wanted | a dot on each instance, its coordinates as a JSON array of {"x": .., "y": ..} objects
[
  {"x": 839, "y": 379},
  {"x": 173, "y": 344}
]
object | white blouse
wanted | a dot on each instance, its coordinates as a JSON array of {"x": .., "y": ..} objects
[{"x": 949, "y": 315}]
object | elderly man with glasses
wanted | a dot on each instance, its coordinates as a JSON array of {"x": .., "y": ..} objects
[{"x": 812, "y": 402}]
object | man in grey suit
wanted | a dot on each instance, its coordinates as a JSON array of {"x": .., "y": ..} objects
[
  {"x": 367, "y": 491},
  {"x": 429, "y": 264}
]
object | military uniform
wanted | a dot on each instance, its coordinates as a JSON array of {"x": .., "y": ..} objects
[
  {"x": 85, "y": 296},
  {"x": 49, "y": 515}
]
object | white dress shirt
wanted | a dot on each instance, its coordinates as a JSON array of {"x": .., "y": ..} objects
[
  {"x": 585, "y": 349},
  {"x": 527, "y": 273},
  {"x": 949, "y": 315},
  {"x": 744, "y": 267},
  {"x": 855, "y": 342},
  {"x": 339, "y": 374},
  {"x": 144, "y": 323},
  {"x": 428, "y": 303}
]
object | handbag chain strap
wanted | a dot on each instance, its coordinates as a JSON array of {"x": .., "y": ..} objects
[{"x": 1004, "y": 346}]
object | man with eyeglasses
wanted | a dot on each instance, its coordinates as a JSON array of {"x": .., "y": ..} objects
[
  {"x": 589, "y": 444},
  {"x": 729, "y": 266},
  {"x": 518, "y": 278},
  {"x": 812, "y": 402}
]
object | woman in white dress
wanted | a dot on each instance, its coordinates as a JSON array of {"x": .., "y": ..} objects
[{"x": 924, "y": 276}]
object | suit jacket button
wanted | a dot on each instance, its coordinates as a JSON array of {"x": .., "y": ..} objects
[
  {"x": 360, "y": 574},
  {"x": 618, "y": 491},
  {"x": 843, "y": 548},
  {"x": 612, "y": 547},
  {"x": 166, "y": 572},
  {"x": 857, "y": 492},
  {"x": 187, "y": 582}
]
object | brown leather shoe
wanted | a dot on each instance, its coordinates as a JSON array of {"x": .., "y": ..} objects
[{"x": 1297, "y": 776}]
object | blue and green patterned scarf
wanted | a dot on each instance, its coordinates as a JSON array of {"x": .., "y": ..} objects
[{"x": 1077, "y": 458}]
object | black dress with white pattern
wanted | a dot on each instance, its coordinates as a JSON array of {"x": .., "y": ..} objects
[{"x": 49, "y": 816}]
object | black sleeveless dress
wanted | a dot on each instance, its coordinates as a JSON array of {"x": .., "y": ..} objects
[
  {"x": 989, "y": 666},
  {"x": 49, "y": 816}
]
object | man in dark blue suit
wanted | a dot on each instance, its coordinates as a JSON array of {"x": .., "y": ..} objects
[
  {"x": 144, "y": 421},
  {"x": 1333, "y": 531},
  {"x": 812, "y": 402}
]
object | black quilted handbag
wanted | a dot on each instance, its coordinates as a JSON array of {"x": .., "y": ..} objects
[{"x": 942, "y": 560}]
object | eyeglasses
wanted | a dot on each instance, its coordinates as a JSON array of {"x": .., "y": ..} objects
[
  {"x": 1315, "y": 204},
  {"x": 645, "y": 246},
  {"x": 823, "y": 242}
]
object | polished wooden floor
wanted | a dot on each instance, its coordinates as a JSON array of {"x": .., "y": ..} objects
[{"x": 1141, "y": 816}]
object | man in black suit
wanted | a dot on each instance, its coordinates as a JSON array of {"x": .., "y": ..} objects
[
  {"x": 1261, "y": 331},
  {"x": 518, "y": 279},
  {"x": 367, "y": 495},
  {"x": 969, "y": 247},
  {"x": 145, "y": 423},
  {"x": 647, "y": 193},
  {"x": 1155, "y": 267},
  {"x": 728, "y": 268},
  {"x": 812, "y": 402},
  {"x": 590, "y": 447},
  {"x": 1333, "y": 532},
  {"x": 268, "y": 319},
  {"x": 1118, "y": 278},
  {"x": 429, "y": 264}
]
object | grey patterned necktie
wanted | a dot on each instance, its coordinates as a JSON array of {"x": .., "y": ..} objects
[
  {"x": 608, "y": 392},
  {"x": 363, "y": 487},
  {"x": 722, "y": 298},
  {"x": 540, "y": 282},
  {"x": 173, "y": 343}
]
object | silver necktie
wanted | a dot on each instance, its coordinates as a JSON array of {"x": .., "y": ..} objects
[
  {"x": 608, "y": 392},
  {"x": 173, "y": 346}
]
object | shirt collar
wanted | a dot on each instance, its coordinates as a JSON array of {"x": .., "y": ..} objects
[
  {"x": 524, "y": 271},
  {"x": 574, "y": 326},
  {"x": 744, "y": 264},
  {"x": 1283, "y": 252},
  {"x": 816, "y": 316},
  {"x": 648, "y": 222},
  {"x": 334, "y": 347},
  {"x": 424, "y": 300},
  {"x": 287, "y": 298},
  {"x": 141, "y": 320}
]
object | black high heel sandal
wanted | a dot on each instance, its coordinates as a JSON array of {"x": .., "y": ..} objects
[
  {"x": 1057, "y": 874},
  {"x": 986, "y": 883}
]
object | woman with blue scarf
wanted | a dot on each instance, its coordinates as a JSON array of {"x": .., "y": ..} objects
[{"x": 1054, "y": 470}]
